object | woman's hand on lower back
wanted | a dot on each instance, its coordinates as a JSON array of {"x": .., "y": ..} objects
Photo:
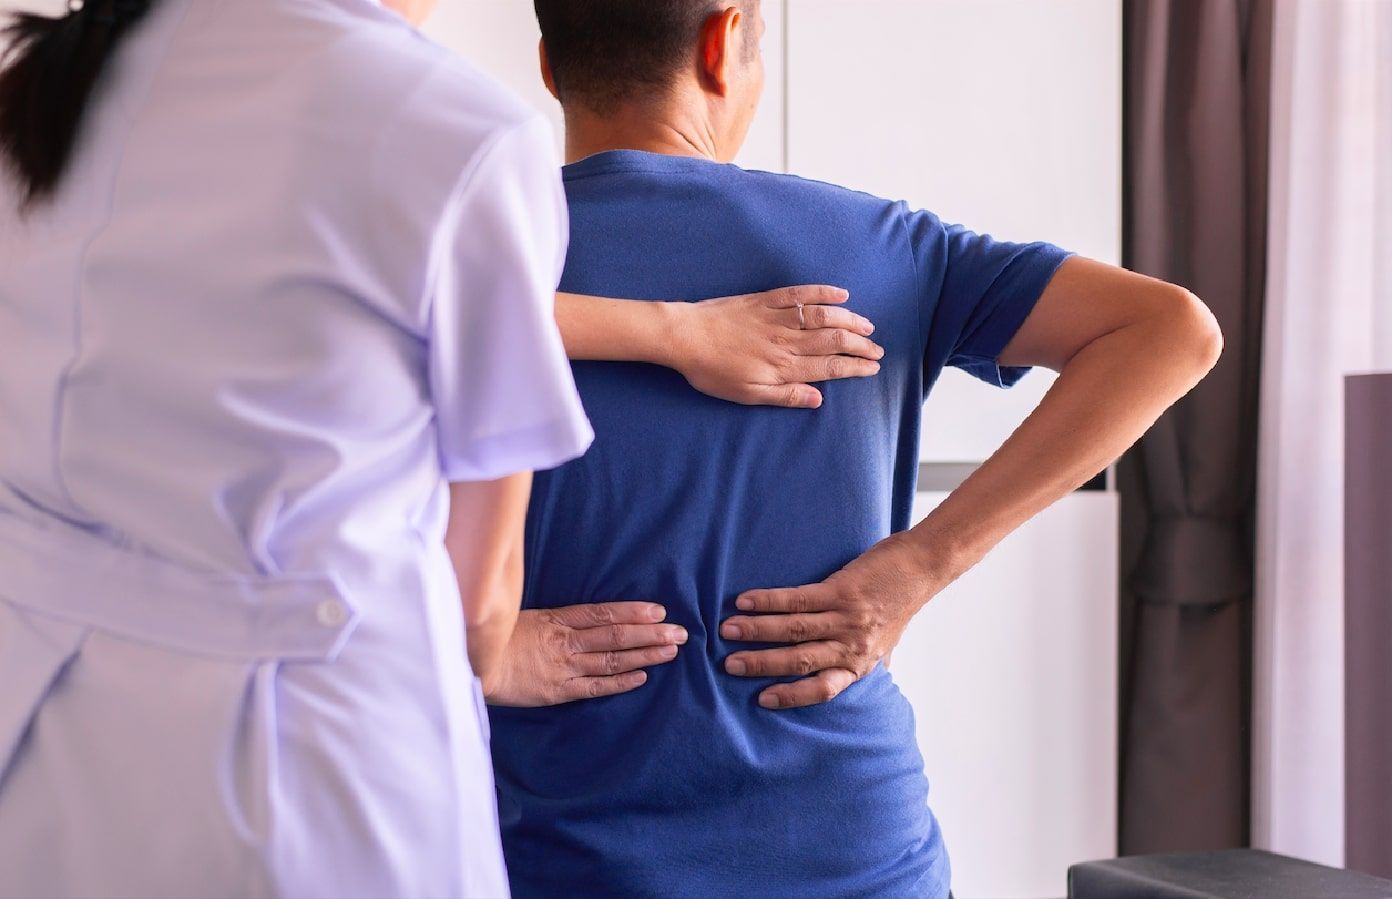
[
  {"x": 581, "y": 652},
  {"x": 768, "y": 349}
]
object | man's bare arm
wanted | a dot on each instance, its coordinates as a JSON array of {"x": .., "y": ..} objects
[
  {"x": 1126, "y": 347},
  {"x": 755, "y": 349}
]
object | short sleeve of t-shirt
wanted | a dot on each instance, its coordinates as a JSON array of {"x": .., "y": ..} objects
[
  {"x": 502, "y": 387},
  {"x": 977, "y": 292}
]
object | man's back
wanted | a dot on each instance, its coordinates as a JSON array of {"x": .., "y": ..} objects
[{"x": 686, "y": 787}]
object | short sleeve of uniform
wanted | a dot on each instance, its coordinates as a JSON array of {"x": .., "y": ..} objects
[
  {"x": 977, "y": 292},
  {"x": 502, "y": 387}
]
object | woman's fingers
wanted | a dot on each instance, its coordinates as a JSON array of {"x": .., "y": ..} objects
[
  {"x": 610, "y": 663},
  {"x": 815, "y": 318},
  {"x": 811, "y": 369},
  {"x": 615, "y": 637},
  {"x": 838, "y": 342},
  {"x": 789, "y": 396},
  {"x": 594, "y": 687},
  {"x": 804, "y": 295}
]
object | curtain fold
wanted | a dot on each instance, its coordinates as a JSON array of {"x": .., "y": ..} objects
[{"x": 1197, "y": 87}]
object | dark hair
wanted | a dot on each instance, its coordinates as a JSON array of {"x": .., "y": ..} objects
[
  {"x": 47, "y": 78},
  {"x": 607, "y": 52}
]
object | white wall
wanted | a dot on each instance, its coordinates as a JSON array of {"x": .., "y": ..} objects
[
  {"x": 500, "y": 36},
  {"x": 1012, "y": 674},
  {"x": 1004, "y": 115}
]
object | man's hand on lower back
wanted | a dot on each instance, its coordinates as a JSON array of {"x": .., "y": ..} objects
[
  {"x": 839, "y": 630},
  {"x": 582, "y": 652}
]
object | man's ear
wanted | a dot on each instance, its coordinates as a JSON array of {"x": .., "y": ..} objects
[
  {"x": 718, "y": 51},
  {"x": 546, "y": 77}
]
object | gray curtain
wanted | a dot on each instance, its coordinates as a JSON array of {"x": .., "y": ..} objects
[{"x": 1197, "y": 99}]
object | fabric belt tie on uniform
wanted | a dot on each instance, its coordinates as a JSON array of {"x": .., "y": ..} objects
[{"x": 56, "y": 569}]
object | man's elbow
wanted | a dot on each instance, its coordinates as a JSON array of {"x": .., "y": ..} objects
[{"x": 1195, "y": 331}]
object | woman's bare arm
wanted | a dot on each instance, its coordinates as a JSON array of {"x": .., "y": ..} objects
[
  {"x": 484, "y": 540},
  {"x": 764, "y": 349}
]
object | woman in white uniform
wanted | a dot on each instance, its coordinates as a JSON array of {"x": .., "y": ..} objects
[{"x": 276, "y": 308}]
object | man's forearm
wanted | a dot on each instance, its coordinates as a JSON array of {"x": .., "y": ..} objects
[
  {"x": 1105, "y": 398},
  {"x": 1126, "y": 348},
  {"x": 599, "y": 328}
]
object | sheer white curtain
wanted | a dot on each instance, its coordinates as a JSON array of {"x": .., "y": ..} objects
[{"x": 1329, "y": 314}]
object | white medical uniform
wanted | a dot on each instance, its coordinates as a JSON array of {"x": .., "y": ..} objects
[{"x": 299, "y": 276}]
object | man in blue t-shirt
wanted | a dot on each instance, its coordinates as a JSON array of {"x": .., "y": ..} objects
[{"x": 719, "y": 585}]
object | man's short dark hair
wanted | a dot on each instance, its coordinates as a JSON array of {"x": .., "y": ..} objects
[{"x": 604, "y": 53}]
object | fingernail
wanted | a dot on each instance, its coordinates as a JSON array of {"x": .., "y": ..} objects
[
  {"x": 639, "y": 678},
  {"x": 744, "y": 604},
  {"x": 734, "y": 665},
  {"x": 657, "y": 613},
  {"x": 769, "y": 701},
  {"x": 679, "y": 635},
  {"x": 668, "y": 652},
  {"x": 730, "y": 631},
  {"x": 881, "y": 349}
]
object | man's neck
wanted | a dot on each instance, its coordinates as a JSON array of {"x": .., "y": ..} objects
[{"x": 668, "y": 132}]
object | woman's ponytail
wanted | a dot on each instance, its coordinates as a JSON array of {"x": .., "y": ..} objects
[{"x": 47, "y": 78}]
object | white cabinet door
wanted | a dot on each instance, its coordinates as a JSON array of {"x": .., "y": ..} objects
[
  {"x": 1012, "y": 673},
  {"x": 501, "y": 37},
  {"x": 1003, "y": 115}
]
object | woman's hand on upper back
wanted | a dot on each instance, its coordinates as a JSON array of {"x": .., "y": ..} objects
[
  {"x": 768, "y": 349},
  {"x": 581, "y": 652}
]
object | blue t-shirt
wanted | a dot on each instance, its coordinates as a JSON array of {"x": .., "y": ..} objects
[{"x": 686, "y": 787}]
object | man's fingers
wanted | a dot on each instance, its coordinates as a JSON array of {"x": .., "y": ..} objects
[
  {"x": 789, "y": 396},
  {"x": 811, "y": 369},
  {"x": 803, "y": 660},
  {"x": 804, "y": 295},
  {"x": 811, "y": 598},
  {"x": 615, "y": 637},
  {"x": 796, "y": 628},
  {"x": 608, "y": 663},
  {"x": 823, "y": 686},
  {"x": 593, "y": 687},
  {"x": 815, "y": 318},
  {"x": 838, "y": 342},
  {"x": 598, "y": 614}
]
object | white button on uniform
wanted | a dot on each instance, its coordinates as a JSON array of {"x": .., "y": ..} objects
[{"x": 331, "y": 613}]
